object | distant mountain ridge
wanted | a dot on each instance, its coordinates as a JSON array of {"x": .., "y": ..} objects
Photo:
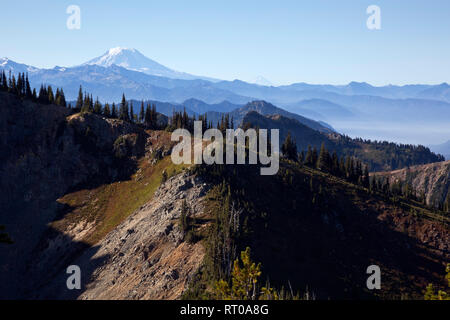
[
  {"x": 378, "y": 155},
  {"x": 108, "y": 83},
  {"x": 395, "y": 113},
  {"x": 265, "y": 108},
  {"x": 237, "y": 112},
  {"x": 133, "y": 60}
]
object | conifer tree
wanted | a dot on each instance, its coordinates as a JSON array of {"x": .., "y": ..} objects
[
  {"x": 51, "y": 97},
  {"x": 184, "y": 225},
  {"x": 57, "y": 99},
  {"x": 3, "y": 82},
  {"x": 23, "y": 86},
  {"x": 366, "y": 179},
  {"x": 28, "y": 92},
  {"x": 12, "y": 85},
  {"x": 387, "y": 186},
  {"x": 323, "y": 162},
  {"x": 97, "y": 107},
  {"x": 114, "y": 111},
  {"x": 372, "y": 186},
  {"x": 86, "y": 103},
  {"x": 79, "y": 103},
  {"x": 335, "y": 164},
  {"x": 9, "y": 81},
  {"x": 359, "y": 171},
  {"x": 141, "y": 113},
  {"x": 91, "y": 104},
  {"x": 62, "y": 98},
  {"x": 43, "y": 97},
  {"x": 107, "y": 111},
  {"x": 288, "y": 148},
  {"x": 19, "y": 85},
  {"x": 348, "y": 168},
  {"x": 123, "y": 113}
]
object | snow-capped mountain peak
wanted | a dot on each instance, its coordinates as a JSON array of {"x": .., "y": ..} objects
[
  {"x": 127, "y": 58},
  {"x": 132, "y": 59}
]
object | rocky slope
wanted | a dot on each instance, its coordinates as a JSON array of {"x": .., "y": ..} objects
[
  {"x": 433, "y": 180},
  {"x": 145, "y": 257}
]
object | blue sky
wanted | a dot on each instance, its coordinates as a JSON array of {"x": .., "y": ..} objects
[{"x": 284, "y": 41}]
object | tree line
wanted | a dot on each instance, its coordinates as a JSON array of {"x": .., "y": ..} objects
[
  {"x": 85, "y": 102},
  {"x": 21, "y": 88},
  {"x": 181, "y": 120},
  {"x": 123, "y": 111},
  {"x": 347, "y": 167}
]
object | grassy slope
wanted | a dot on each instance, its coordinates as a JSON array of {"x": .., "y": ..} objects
[{"x": 110, "y": 204}]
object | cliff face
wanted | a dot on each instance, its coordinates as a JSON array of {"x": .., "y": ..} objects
[{"x": 431, "y": 179}]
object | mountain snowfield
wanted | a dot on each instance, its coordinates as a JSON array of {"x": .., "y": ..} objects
[{"x": 407, "y": 114}]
